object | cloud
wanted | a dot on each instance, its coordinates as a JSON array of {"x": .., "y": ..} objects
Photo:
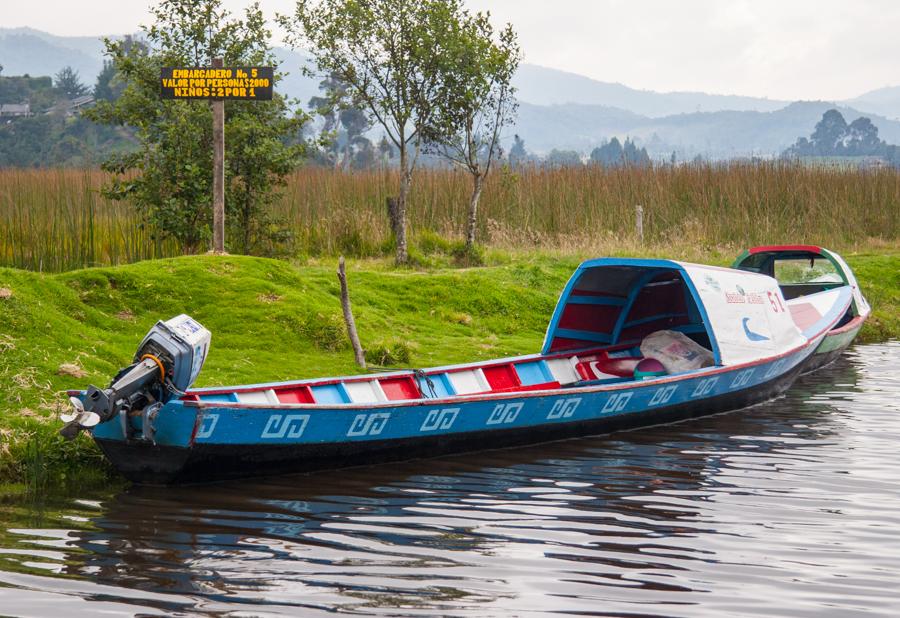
[
  {"x": 801, "y": 49},
  {"x": 796, "y": 49}
]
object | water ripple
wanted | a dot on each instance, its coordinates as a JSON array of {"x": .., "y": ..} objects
[{"x": 791, "y": 508}]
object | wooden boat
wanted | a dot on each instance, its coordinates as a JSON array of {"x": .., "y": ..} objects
[
  {"x": 155, "y": 430},
  {"x": 805, "y": 270}
]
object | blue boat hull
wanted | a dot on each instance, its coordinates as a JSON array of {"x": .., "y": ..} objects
[{"x": 224, "y": 443}]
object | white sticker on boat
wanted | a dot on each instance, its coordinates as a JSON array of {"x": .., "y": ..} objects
[
  {"x": 663, "y": 395},
  {"x": 775, "y": 369},
  {"x": 617, "y": 402},
  {"x": 285, "y": 426},
  {"x": 368, "y": 424},
  {"x": 504, "y": 413},
  {"x": 704, "y": 387},
  {"x": 563, "y": 408},
  {"x": 439, "y": 419},
  {"x": 742, "y": 378},
  {"x": 207, "y": 426}
]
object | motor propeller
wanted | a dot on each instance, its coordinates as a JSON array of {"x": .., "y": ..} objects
[
  {"x": 84, "y": 417},
  {"x": 77, "y": 419}
]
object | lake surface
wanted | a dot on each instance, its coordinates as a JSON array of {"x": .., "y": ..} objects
[{"x": 791, "y": 508}]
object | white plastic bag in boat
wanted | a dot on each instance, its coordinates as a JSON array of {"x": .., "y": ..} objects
[{"x": 676, "y": 351}]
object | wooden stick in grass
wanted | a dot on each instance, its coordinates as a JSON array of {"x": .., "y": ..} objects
[
  {"x": 348, "y": 315},
  {"x": 639, "y": 222}
]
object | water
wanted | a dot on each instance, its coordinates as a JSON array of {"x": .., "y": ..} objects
[{"x": 789, "y": 509}]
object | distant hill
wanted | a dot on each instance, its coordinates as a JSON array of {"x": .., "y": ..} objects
[
  {"x": 884, "y": 101},
  {"x": 716, "y": 135},
  {"x": 542, "y": 86},
  {"x": 27, "y": 51},
  {"x": 558, "y": 109}
]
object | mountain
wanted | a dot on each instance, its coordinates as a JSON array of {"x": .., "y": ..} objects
[
  {"x": 542, "y": 86},
  {"x": 715, "y": 135},
  {"x": 884, "y": 101},
  {"x": 558, "y": 109},
  {"x": 27, "y": 51}
]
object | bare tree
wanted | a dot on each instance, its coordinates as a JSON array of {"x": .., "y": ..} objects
[
  {"x": 480, "y": 103},
  {"x": 391, "y": 55}
]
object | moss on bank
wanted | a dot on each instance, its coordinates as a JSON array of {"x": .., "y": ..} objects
[{"x": 272, "y": 320}]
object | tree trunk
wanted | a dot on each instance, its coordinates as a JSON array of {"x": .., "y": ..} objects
[
  {"x": 248, "y": 223},
  {"x": 392, "y": 214},
  {"x": 472, "y": 227},
  {"x": 400, "y": 212}
]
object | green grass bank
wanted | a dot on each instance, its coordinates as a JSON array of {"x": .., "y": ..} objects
[{"x": 274, "y": 320}]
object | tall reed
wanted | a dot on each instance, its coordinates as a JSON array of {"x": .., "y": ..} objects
[{"x": 57, "y": 219}]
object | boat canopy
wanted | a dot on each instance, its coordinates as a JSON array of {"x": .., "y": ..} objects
[{"x": 740, "y": 316}]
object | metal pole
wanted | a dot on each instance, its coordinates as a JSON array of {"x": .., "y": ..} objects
[{"x": 218, "y": 109}]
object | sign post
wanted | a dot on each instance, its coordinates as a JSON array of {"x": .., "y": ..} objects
[
  {"x": 217, "y": 83},
  {"x": 218, "y": 110}
]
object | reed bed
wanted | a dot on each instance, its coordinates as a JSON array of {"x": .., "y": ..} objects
[{"x": 57, "y": 219}]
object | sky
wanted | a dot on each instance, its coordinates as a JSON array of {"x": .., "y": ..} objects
[{"x": 780, "y": 49}]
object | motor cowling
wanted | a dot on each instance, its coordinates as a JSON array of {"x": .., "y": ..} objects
[{"x": 166, "y": 364}]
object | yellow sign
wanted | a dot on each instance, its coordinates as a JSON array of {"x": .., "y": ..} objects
[{"x": 253, "y": 83}]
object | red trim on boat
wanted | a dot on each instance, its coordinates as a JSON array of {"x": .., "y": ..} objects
[
  {"x": 502, "y": 377},
  {"x": 777, "y": 248},
  {"x": 581, "y": 349},
  {"x": 531, "y": 387},
  {"x": 854, "y": 323}
]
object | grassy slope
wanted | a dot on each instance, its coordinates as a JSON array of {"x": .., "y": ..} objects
[
  {"x": 879, "y": 279},
  {"x": 272, "y": 321}
]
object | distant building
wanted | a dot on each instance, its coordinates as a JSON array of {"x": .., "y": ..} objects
[
  {"x": 13, "y": 110},
  {"x": 79, "y": 103},
  {"x": 72, "y": 107}
]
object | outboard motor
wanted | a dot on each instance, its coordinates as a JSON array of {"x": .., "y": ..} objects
[{"x": 166, "y": 365}]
